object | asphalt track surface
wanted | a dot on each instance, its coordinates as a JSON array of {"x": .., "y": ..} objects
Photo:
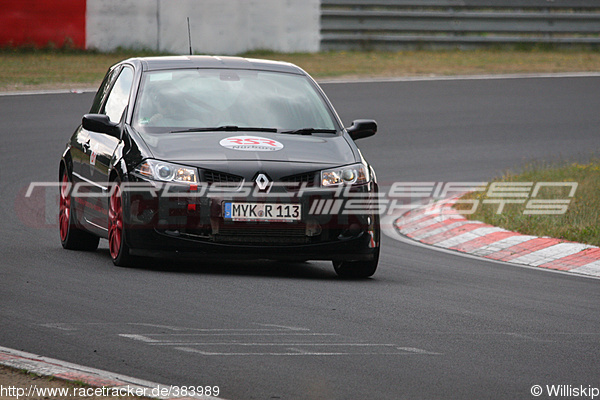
[{"x": 428, "y": 325}]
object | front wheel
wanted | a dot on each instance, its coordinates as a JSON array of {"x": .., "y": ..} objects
[
  {"x": 119, "y": 250},
  {"x": 356, "y": 269}
]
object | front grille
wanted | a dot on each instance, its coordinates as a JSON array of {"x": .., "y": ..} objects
[
  {"x": 262, "y": 233},
  {"x": 222, "y": 179},
  {"x": 295, "y": 182}
]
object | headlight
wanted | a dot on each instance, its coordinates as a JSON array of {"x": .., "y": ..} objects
[
  {"x": 167, "y": 172},
  {"x": 350, "y": 175}
]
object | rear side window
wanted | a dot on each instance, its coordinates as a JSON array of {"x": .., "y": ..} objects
[{"x": 119, "y": 95}]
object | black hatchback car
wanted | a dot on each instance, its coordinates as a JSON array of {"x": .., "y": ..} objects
[{"x": 223, "y": 157}]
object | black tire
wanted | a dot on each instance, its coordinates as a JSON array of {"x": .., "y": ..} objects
[
  {"x": 118, "y": 247},
  {"x": 71, "y": 237},
  {"x": 356, "y": 269}
]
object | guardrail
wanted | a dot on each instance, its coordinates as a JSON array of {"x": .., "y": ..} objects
[{"x": 391, "y": 24}]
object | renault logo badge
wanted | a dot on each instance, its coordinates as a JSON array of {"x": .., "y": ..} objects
[{"x": 262, "y": 181}]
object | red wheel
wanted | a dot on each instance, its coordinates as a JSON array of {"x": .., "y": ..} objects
[
  {"x": 119, "y": 250},
  {"x": 64, "y": 213},
  {"x": 115, "y": 227},
  {"x": 71, "y": 237}
]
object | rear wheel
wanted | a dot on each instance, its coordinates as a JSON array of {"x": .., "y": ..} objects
[
  {"x": 119, "y": 250},
  {"x": 356, "y": 269},
  {"x": 71, "y": 237}
]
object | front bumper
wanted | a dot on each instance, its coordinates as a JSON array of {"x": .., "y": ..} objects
[{"x": 191, "y": 220}]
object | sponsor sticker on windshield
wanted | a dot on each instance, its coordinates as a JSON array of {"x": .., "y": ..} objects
[{"x": 251, "y": 143}]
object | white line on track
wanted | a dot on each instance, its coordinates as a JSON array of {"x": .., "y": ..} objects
[
  {"x": 425, "y": 78},
  {"x": 52, "y": 91},
  {"x": 428, "y": 78},
  {"x": 388, "y": 349}
]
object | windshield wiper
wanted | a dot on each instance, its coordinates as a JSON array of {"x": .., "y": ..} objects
[
  {"x": 309, "y": 131},
  {"x": 227, "y": 128}
]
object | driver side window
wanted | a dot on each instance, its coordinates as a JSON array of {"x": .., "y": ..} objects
[{"x": 119, "y": 95}]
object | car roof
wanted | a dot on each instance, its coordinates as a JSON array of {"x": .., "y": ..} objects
[{"x": 216, "y": 62}]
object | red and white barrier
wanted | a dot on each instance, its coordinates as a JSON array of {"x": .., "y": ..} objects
[
  {"x": 43, "y": 23},
  {"x": 217, "y": 26}
]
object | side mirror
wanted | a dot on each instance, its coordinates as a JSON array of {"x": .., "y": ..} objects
[
  {"x": 362, "y": 128},
  {"x": 101, "y": 123}
]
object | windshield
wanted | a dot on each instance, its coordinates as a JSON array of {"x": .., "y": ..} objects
[{"x": 205, "y": 98}]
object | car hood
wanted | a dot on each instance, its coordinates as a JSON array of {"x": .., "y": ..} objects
[{"x": 240, "y": 146}]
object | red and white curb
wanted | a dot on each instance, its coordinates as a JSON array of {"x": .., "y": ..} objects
[
  {"x": 45, "y": 366},
  {"x": 442, "y": 226}
]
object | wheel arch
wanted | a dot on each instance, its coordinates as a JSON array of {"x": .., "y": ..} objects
[
  {"x": 66, "y": 162},
  {"x": 118, "y": 170}
]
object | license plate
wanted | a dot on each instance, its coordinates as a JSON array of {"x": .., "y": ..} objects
[{"x": 261, "y": 212}]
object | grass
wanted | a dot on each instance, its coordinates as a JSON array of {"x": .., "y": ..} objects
[
  {"x": 44, "y": 69},
  {"x": 580, "y": 222},
  {"x": 441, "y": 62}
]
